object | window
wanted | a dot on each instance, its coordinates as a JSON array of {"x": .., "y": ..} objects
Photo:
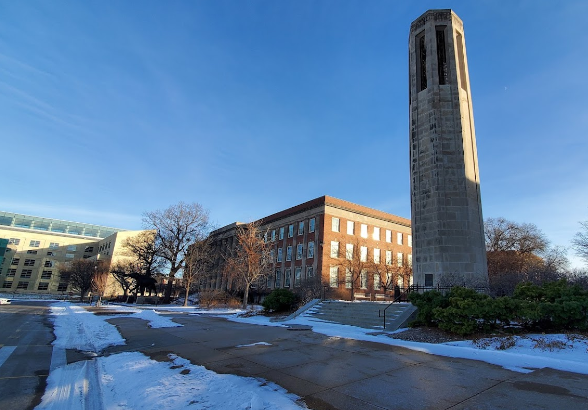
[
  {"x": 310, "y": 252},
  {"x": 409, "y": 260},
  {"x": 290, "y": 230},
  {"x": 364, "y": 231},
  {"x": 287, "y": 278},
  {"x": 399, "y": 238},
  {"x": 311, "y": 225},
  {"x": 334, "y": 249},
  {"x": 297, "y": 276},
  {"x": 272, "y": 255},
  {"x": 334, "y": 276},
  {"x": 22, "y": 285},
  {"x": 289, "y": 253},
  {"x": 335, "y": 225},
  {"x": 388, "y": 235},
  {"x": 428, "y": 279},
  {"x": 281, "y": 233},
  {"x": 269, "y": 282},
  {"x": 280, "y": 255},
  {"x": 363, "y": 279},
  {"x": 350, "y": 227},
  {"x": 376, "y": 255},
  {"x": 441, "y": 55},
  {"x": 421, "y": 58},
  {"x": 376, "y": 235},
  {"x": 34, "y": 244},
  {"x": 72, "y": 248},
  {"x": 348, "y": 278},
  {"x": 399, "y": 259},
  {"x": 349, "y": 251},
  {"x": 301, "y": 228},
  {"x": 89, "y": 249},
  {"x": 409, "y": 240},
  {"x": 69, "y": 255},
  {"x": 53, "y": 245},
  {"x": 14, "y": 241},
  {"x": 309, "y": 272},
  {"x": 43, "y": 286},
  {"x": 29, "y": 262},
  {"x": 278, "y": 278},
  {"x": 273, "y": 235},
  {"x": 299, "y": 251},
  {"x": 46, "y": 274},
  {"x": 62, "y": 287},
  {"x": 26, "y": 273},
  {"x": 7, "y": 284},
  {"x": 15, "y": 261},
  {"x": 377, "y": 281},
  {"x": 32, "y": 252},
  {"x": 388, "y": 257},
  {"x": 48, "y": 264},
  {"x": 11, "y": 272},
  {"x": 363, "y": 254}
]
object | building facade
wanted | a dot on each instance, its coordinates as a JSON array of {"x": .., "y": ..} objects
[
  {"x": 36, "y": 247},
  {"x": 446, "y": 206},
  {"x": 311, "y": 243}
]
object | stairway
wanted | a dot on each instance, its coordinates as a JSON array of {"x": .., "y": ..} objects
[{"x": 362, "y": 314}]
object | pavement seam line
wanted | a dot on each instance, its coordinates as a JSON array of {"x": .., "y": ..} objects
[{"x": 481, "y": 391}]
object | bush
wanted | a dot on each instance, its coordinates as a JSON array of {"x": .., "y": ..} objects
[
  {"x": 279, "y": 300},
  {"x": 426, "y": 303},
  {"x": 551, "y": 306}
]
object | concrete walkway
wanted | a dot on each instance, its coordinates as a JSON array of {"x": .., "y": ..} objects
[{"x": 335, "y": 373}]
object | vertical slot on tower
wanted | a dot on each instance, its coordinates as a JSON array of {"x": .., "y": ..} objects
[
  {"x": 421, "y": 62},
  {"x": 461, "y": 62},
  {"x": 441, "y": 56}
]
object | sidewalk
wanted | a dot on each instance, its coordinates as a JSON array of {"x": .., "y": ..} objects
[{"x": 335, "y": 373}]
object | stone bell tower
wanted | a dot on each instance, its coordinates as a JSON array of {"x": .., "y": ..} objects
[{"x": 448, "y": 230}]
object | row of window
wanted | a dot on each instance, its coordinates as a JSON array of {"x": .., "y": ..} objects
[
  {"x": 31, "y": 262},
  {"x": 363, "y": 254},
  {"x": 286, "y": 278},
  {"x": 26, "y": 273},
  {"x": 363, "y": 279},
  {"x": 301, "y": 225},
  {"x": 52, "y": 245},
  {"x": 336, "y": 227},
  {"x": 299, "y": 252},
  {"x": 62, "y": 287}
]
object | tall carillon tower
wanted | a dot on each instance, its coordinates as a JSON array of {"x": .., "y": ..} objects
[{"x": 448, "y": 233}]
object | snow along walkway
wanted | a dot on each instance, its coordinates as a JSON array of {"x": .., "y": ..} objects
[{"x": 132, "y": 380}]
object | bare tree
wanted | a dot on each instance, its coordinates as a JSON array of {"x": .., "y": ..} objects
[
  {"x": 124, "y": 273},
  {"x": 176, "y": 228},
  {"x": 353, "y": 258},
  {"x": 100, "y": 281},
  {"x": 518, "y": 253},
  {"x": 79, "y": 274},
  {"x": 250, "y": 261},
  {"x": 198, "y": 262},
  {"x": 580, "y": 241}
]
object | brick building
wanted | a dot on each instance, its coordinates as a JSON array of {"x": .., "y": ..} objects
[{"x": 315, "y": 242}]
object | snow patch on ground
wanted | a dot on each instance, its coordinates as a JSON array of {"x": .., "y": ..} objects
[
  {"x": 131, "y": 380},
  {"x": 76, "y": 328},
  {"x": 255, "y": 344},
  {"x": 524, "y": 357}
]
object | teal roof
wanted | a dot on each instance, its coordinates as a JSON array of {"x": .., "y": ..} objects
[{"x": 55, "y": 225}]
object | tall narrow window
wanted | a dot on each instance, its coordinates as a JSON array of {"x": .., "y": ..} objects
[
  {"x": 421, "y": 62},
  {"x": 334, "y": 276},
  {"x": 461, "y": 62},
  {"x": 441, "y": 56}
]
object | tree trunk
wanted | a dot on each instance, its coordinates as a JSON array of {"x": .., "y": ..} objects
[
  {"x": 186, "y": 298},
  {"x": 245, "y": 296},
  {"x": 168, "y": 289}
]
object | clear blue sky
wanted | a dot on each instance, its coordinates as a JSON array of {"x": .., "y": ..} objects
[{"x": 109, "y": 109}]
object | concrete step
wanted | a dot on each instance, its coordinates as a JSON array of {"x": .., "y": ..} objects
[{"x": 368, "y": 315}]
